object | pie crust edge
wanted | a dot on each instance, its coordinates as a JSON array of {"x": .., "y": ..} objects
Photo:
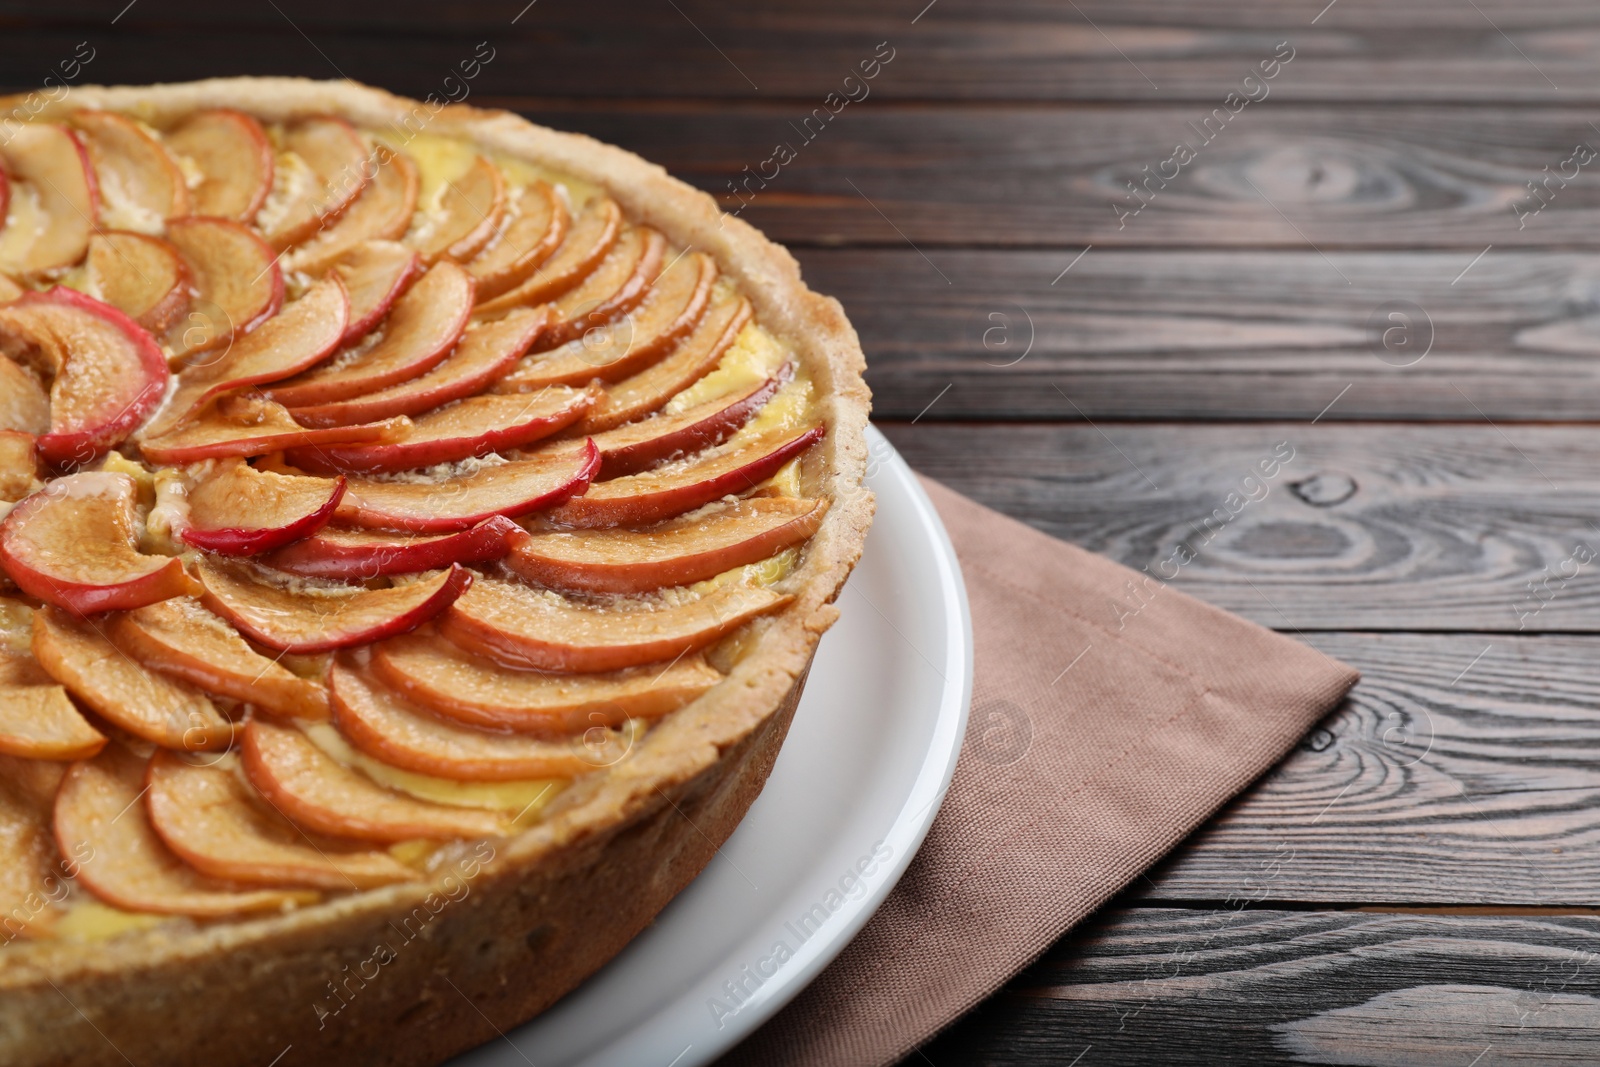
[{"x": 560, "y": 899}]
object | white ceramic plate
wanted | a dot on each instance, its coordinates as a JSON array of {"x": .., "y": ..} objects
[{"x": 855, "y": 788}]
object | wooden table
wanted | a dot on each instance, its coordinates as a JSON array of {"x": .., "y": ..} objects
[{"x": 1352, "y": 262}]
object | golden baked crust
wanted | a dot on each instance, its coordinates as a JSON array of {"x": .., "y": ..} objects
[{"x": 552, "y": 904}]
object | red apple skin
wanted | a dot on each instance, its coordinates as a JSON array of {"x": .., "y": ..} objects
[
  {"x": 5, "y": 197},
  {"x": 441, "y": 337},
  {"x": 266, "y": 162},
  {"x": 186, "y": 230},
  {"x": 712, "y": 430},
  {"x": 589, "y": 512},
  {"x": 452, "y": 588},
  {"x": 373, "y": 518},
  {"x": 384, "y": 457},
  {"x": 486, "y": 542},
  {"x": 363, "y": 324},
  {"x": 234, "y": 542},
  {"x": 82, "y": 598},
  {"x": 85, "y": 600},
  {"x": 63, "y": 448}
]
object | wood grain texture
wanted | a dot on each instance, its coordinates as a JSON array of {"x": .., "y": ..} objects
[
  {"x": 1368, "y": 526},
  {"x": 954, "y": 49},
  {"x": 1223, "y": 335},
  {"x": 1275, "y": 174},
  {"x": 1236, "y": 985},
  {"x": 1461, "y": 770}
]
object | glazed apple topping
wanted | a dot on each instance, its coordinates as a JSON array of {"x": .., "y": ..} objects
[
  {"x": 148, "y": 705},
  {"x": 106, "y": 374},
  {"x": 181, "y": 639},
  {"x": 535, "y": 226},
  {"x": 52, "y": 201},
  {"x": 317, "y": 619},
  {"x": 613, "y": 351},
  {"x": 585, "y": 245},
  {"x": 242, "y": 511},
  {"x": 98, "y": 813},
  {"x": 382, "y": 212},
  {"x": 467, "y": 213},
  {"x": 223, "y": 828},
  {"x": 141, "y": 184},
  {"x": 234, "y": 157},
  {"x": 238, "y": 283},
  {"x": 141, "y": 276},
  {"x": 421, "y": 330},
  {"x": 472, "y": 428},
  {"x": 74, "y": 544},
  {"x": 359, "y": 555},
  {"x": 351, "y": 497}
]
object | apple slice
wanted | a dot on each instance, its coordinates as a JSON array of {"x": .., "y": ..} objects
[
  {"x": 466, "y": 215},
  {"x": 107, "y": 373},
  {"x": 473, "y": 428},
  {"x": 32, "y": 885},
  {"x": 39, "y": 722},
  {"x": 388, "y": 727},
  {"x": 124, "y": 693},
  {"x": 253, "y": 426},
  {"x": 9, "y": 290},
  {"x": 75, "y": 544},
  {"x": 660, "y": 494},
  {"x": 141, "y": 185},
  {"x": 358, "y": 555},
  {"x": 687, "y": 549},
  {"x": 237, "y": 282},
  {"x": 19, "y": 668},
  {"x": 512, "y": 488},
  {"x": 375, "y": 274},
  {"x": 97, "y": 813},
  {"x": 485, "y": 354},
  {"x": 327, "y": 164},
  {"x": 448, "y": 681},
  {"x": 588, "y": 240},
  {"x": 234, "y": 157},
  {"x": 143, "y": 277},
  {"x": 381, "y": 213},
  {"x": 518, "y": 626},
  {"x": 320, "y": 793},
  {"x": 241, "y": 511},
  {"x": 24, "y": 404},
  {"x": 54, "y": 202},
  {"x": 300, "y": 620},
  {"x": 676, "y": 301},
  {"x": 304, "y": 333},
  {"x": 180, "y": 638},
  {"x": 697, "y": 356},
  {"x": 220, "y": 827},
  {"x": 615, "y": 288},
  {"x": 535, "y": 228},
  {"x": 643, "y": 444},
  {"x": 422, "y": 328},
  {"x": 19, "y": 465}
]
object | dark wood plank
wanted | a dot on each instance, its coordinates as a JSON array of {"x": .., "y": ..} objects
[
  {"x": 1276, "y": 174},
  {"x": 953, "y": 49},
  {"x": 1461, "y": 770},
  {"x": 1232, "y": 985},
  {"x": 1223, "y": 335},
  {"x": 1368, "y": 526}
]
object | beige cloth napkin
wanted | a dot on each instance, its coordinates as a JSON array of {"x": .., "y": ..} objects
[{"x": 1111, "y": 716}]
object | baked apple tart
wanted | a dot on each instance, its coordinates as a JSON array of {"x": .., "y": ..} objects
[{"x": 418, "y": 525}]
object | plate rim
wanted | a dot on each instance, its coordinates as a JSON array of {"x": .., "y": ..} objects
[{"x": 906, "y": 831}]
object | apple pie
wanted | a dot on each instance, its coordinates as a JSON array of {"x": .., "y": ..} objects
[{"x": 418, "y": 525}]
